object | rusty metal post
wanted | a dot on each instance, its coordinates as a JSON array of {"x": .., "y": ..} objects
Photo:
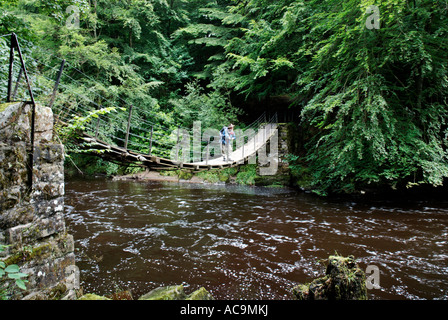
[
  {"x": 56, "y": 85},
  {"x": 128, "y": 128},
  {"x": 11, "y": 65},
  {"x": 150, "y": 140},
  {"x": 97, "y": 127},
  {"x": 207, "y": 155},
  {"x": 15, "y": 43}
]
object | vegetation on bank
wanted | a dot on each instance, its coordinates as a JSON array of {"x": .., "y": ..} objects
[
  {"x": 243, "y": 175},
  {"x": 372, "y": 101}
]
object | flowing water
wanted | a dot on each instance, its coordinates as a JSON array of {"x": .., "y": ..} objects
[{"x": 249, "y": 242}]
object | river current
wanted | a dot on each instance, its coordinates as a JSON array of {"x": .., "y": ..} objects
[{"x": 242, "y": 242}]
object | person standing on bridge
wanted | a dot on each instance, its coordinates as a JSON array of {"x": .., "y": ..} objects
[{"x": 227, "y": 135}]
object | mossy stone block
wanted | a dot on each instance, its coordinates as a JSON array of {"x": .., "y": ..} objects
[{"x": 200, "y": 294}]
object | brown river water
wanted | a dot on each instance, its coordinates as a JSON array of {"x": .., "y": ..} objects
[{"x": 243, "y": 242}]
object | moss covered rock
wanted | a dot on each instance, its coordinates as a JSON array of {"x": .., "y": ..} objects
[
  {"x": 91, "y": 296},
  {"x": 200, "y": 294},
  {"x": 176, "y": 293},
  {"x": 343, "y": 280},
  {"x": 185, "y": 175},
  {"x": 272, "y": 181},
  {"x": 3, "y": 106},
  {"x": 165, "y": 293}
]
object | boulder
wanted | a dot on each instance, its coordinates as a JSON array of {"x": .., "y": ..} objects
[{"x": 343, "y": 280}]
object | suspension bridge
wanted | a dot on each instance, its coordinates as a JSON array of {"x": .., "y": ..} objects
[{"x": 128, "y": 135}]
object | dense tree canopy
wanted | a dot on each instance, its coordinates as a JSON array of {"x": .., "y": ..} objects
[{"x": 370, "y": 83}]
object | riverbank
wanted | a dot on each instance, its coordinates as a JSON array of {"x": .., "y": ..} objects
[
  {"x": 290, "y": 175},
  {"x": 243, "y": 175},
  {"x": 157, "y": 176}
]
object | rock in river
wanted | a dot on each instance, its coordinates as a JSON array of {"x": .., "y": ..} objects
[{"x": 343, "y": 280}]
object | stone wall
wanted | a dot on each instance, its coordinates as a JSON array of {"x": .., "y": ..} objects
[{"x": 32, "y": 221}]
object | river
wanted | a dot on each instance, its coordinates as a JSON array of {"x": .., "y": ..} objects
[{"x": 242, "y": 242}]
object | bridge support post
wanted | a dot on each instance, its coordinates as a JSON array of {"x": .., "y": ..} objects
[
  {"x": 255, "y": 141},
  {"x": 128, "y": 128},
  {"x": 264, "y": 133},
  {"x": 97, "y": 127},
  {"x": 150, "y": 140},
  {"x": 177, "y": 144}
]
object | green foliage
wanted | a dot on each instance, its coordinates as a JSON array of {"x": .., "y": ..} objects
[
  {"x": 374, "y": 101},
  {"x": 184, "y": 174},
  {"x": 211, "y": 176},
  {"x": 69, "y": 133},
  {"x": 218, "y": 175},
  {"x": 377, "y": 97},
  {"x": 261, "y": 59},
  {"x": 211, "y": 109},
  {"x": 125, "y": 52},
  {"x": 247, "y": 175},
  {"x": 79, "y": 123},
  {"x": 11, "y": 271}
]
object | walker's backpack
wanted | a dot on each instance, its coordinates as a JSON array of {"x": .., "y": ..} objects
[
  {"x": 223, "y": 131},
  {"x": 223, "y": 134}
]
